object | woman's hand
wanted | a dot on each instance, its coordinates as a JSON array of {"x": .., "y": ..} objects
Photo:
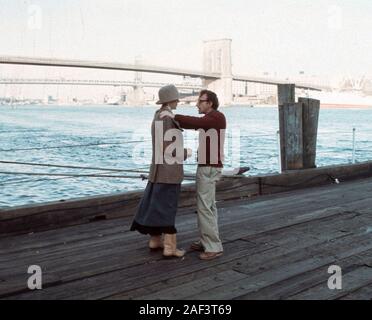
[
  {"x": 166, "y": 114},
  {"x": 189, "y": 153}
]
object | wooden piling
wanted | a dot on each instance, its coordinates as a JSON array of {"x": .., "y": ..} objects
[
  {"x": 310, "y": 116},
  {"x": 293, "y": 140},
  {"x": 286, "y": 94}
]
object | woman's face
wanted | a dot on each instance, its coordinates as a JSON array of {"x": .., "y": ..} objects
[{"x": 173, "y": 105}]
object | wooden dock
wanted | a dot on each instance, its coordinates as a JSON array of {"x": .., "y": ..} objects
[{"x": 277, "y": 246}]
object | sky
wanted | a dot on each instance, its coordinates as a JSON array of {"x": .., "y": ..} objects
[{"x": 330, "y": 38}]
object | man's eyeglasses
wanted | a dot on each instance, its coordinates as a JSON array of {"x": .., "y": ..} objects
[{"x": 202, "y": 101}]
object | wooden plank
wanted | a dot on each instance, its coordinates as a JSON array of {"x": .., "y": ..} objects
[
  {"x": 84, "y": 260},
  {"x": 48, "y": 240},
  {"x": 77, "y": 284},
  {"x": 285, "y": 268},
  {"x": 326, "y": 229},
  {"x": 280, "y": 219},
  {"x": 276, "y": 250},
  {"x": 285, "y": 241},
  {"x": 77, "y": 236},
  {"x": 194, "y": 287},
  {"x": 324, "y": 236},
  {"x": 258, "y": 263},
  {"x": 106, "y": 284},
  {"x": 51, "y": 239},
  {"x": 180, "y": 287},
  {"x": 351, "y": 281},
  {"x": 293, "y": 285},
  {"x": 363, "y": 293},
  {"x": 95, "y": 248}
]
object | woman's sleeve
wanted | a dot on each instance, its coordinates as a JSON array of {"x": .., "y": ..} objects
[{"x": 170, "y": 138}]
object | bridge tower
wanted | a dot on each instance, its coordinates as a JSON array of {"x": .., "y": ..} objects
[
  {"x": 137, "y": 96},
  {"x": 217, "y": 59}
]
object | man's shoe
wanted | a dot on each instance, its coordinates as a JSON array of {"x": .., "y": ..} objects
[
  {"x": 210, "y": 255},
  {"x": 197, "y": 246}
]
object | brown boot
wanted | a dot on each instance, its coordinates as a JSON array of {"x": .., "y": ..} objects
[
  {"x": 170, "y": 247},
  {"x": 155, "y": 243}
]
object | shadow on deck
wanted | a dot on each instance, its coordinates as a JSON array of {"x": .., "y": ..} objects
[{"x": 276, "y": 247}]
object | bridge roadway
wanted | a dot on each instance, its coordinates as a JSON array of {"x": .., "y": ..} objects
[
  {"x": 93, "y": 83},
  {"x": 52, "y": 62}
]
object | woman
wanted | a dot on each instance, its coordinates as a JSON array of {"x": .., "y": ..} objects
[{"x": 157, "y": 210}]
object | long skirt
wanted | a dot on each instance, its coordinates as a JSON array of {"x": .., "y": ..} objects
[{"x": 157, "y": 210}]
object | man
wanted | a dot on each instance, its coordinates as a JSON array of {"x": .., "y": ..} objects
[{"x": 211, "y": 128}]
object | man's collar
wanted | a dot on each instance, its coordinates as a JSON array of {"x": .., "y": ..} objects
[{"x": 210, "y": 111}]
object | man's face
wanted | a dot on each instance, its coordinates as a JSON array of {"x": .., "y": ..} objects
[{"x": 203, "y": 104}]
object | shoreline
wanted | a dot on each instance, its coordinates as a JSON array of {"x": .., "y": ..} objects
[{"x": 344, "y": 106}]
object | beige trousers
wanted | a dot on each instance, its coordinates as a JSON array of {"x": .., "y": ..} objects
[{"x": 206, "y": 178}]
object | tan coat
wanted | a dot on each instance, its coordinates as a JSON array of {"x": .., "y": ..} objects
[{"x": 161, "y": 171}]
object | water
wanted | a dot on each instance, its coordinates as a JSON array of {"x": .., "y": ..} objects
[{"x": 112, "y": 127}]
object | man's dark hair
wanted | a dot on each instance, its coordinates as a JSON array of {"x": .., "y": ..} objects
[{"x": 212, "y": 97}]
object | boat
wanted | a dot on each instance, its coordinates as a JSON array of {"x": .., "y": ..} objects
[{"x": 116, "y": 100}]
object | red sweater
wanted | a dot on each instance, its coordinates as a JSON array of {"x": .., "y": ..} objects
[{"x": 211, "y": 142}]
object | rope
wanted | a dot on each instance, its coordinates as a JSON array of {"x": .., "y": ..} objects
[
  {"x": 142, "y": 176},
  {"x": 12, "y": 182},
  {"x": 70, "y": 175},
  {"x": 259, "y": 135},
  {"x": 28, "y": 131},
  {"x": 17, "y": 181},
  {"x": 70, "y": 146},
  {"x": 137, "y": 170},
  {"x": 73, "y": 167},
  {"x": 67, "y": 175}
]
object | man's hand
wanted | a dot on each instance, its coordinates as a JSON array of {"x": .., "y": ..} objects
[{"x": 166, "y": 114}]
